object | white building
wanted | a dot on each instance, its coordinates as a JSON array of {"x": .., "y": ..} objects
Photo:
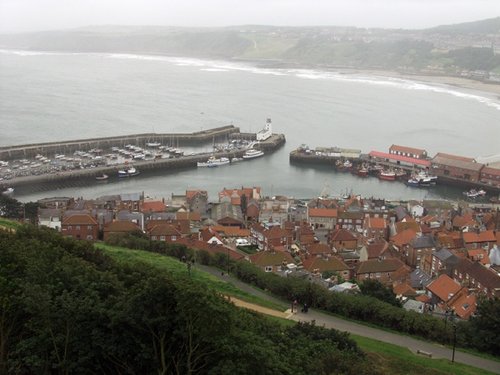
[{"x": 265, "y": 133}]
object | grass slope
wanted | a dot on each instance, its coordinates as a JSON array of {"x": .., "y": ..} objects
[
  {"x": 393, "y": 359},
  {"x": 174, "y": 267}
]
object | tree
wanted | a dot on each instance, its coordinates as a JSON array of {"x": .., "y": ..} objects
[{"x": 375, "y": 288}]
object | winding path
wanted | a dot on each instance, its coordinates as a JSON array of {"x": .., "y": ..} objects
[{"x": 329, "y": 321}]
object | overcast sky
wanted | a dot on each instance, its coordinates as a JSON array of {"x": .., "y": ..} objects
[{"x": 32, "y": 15}]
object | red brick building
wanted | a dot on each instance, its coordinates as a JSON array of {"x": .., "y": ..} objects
[
  {"x": 80, "y": 227},
  {"x": 490, "y": 176},
  {"x": 454, "y": 167}
]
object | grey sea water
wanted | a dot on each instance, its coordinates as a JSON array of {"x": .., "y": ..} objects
[{"x": 58, "y": 96}]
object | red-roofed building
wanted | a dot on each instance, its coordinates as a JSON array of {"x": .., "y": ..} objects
[
  {"x": 399, "y": 160},
  {"x": 490, "y": 176},
  {"x": 387, "y": 271},
  {"x": 463, "y": 304},
  {"x": 375, "y": 227},
  {"x": 478, "y": 255},
  {"x": 342, "y": 239},
  {"x": 235, "y": 195},
  {"x": 318, "y": 249},
  {"x": 272, "y": 261},
  {"x": 403, "y": 290},
  {"x": 165, "y": 232},
  {"x": 152, "y": 206},
  {"x": 120, "y": 227},
  {"x": 443, "y": 288},
  {"x": 322, "y": 217},
  {"x": 473, "y": 240},
  {"x": 415, "y": 153},
  {"x": 319, "y": 264},
  {"x": 197, "y": 201},
  {"x": 80, "y": 227},
  {"x": 452, "y": 167}
]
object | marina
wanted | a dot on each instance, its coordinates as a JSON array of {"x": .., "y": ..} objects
[{"x": 118, "y": 157}]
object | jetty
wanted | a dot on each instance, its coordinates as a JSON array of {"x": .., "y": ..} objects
[
  {"x": 68, "y": 147},
  {"x": 226, "y": 133}
]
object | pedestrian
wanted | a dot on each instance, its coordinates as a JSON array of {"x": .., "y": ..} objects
[
  {"x": 305, "y": 308},
  {"x": 294, "y": 306}
]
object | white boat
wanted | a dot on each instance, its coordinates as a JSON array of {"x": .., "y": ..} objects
[
  {"x": 102, "y": 177},
  {"x": 153, "y": 144},
  {"x": 131, "y": 172},
  {"x": 235, "y": 160},
  {"x": 252, "y": 153},
  {"x": 213, "y": 162},
  {"x": 8, "y": 191},
  {"x": 473, "y": 193}
]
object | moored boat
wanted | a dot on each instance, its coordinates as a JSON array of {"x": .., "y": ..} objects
[
  {"x": 213, "y": 162},
  {"x": 130, "y": 172},
  {"x": 235, "y": 160},
  {"x": 102, "y": 177},
  {"x": 252, "y": 153},
  {"x": 362, "y": 171},
  {"x": 473, "y": 193},
  {"x": 387, "y": 175}
]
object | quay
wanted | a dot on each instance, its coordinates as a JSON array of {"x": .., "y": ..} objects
[
  {"x": 271, "y": 144},
  {"x": 450, "y": 169},
  {"x": 68, "y": 147}
]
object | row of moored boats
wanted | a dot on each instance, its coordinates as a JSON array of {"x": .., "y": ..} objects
[{"x": 217, "y": 162}]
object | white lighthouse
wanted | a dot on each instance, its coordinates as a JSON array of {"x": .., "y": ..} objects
[{"x": 265, "y": 133}]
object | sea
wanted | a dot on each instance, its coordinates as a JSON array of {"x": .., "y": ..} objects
[{"x": 51, "y": 96}]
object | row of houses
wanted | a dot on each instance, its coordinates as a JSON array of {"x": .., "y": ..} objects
[{"x": 406, "y": 246}]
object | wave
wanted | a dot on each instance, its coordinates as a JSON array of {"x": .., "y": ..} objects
[
  {"x": 399, "y": 83},
  {"x": 222, "y": 66}
]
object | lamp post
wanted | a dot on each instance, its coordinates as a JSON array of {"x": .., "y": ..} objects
[
  {"x": 454, "y": 342},
  {"x": 228, "y": 261}
]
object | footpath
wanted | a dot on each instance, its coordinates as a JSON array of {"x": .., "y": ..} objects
[{"x": 329, "y": 321}]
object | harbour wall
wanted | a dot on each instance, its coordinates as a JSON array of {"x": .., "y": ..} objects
[
  {"x": 268, "y": 146},
  {"x": 298, "y": 157},
  {"x": 69, "y": 147}
]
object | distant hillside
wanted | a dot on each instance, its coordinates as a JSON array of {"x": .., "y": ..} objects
[
  {"x": 450, "y": 49},
  {"x": 489, "y": 26}
]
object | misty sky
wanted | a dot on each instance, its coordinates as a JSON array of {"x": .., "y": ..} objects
[{"x": 32, "y": 15}]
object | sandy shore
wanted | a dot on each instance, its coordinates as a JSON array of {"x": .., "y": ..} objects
[{"x": 464, "y": 83}]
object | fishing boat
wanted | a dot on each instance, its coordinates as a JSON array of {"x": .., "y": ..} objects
[
  {"x": 362, "y": 171},
  {"x": 413, "y": 182},
  {"x": 130, "y": 172},
  {"x": 213, "y": 162},
  {"x": 473, "y": 193},
  {"x": 102, "y": 177},
  {"x": 252, "y": 153},
  {"x": 387, "y": 175}
]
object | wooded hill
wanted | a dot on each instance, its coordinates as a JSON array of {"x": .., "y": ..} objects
[{"x": 68, "y": 308}]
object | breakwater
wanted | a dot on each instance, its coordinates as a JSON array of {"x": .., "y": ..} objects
[
  {"x": 68, "y": 147},
  {"x": 180, "y": 162}
]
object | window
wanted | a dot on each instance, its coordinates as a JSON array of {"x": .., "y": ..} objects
[
  {"x": 162, "y": 238},
  {"x": 90, "y": 237},
  {"x": 89, "y": 227},
  {"x": 268, "y": 268},
  {"x": 77, "y": 227}
]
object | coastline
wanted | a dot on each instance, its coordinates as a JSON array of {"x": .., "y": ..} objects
[{"x": 458, "y": 82}]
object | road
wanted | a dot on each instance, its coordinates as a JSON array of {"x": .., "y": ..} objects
[{"x": 329, "y": 321}]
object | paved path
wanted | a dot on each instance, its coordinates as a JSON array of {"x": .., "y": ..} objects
[{"x": 329, "y": 321}]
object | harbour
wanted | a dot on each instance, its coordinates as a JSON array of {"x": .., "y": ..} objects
[{"x": 128, "y": 166}]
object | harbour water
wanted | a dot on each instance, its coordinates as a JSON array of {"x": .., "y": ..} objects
[{"x": 55, "y": 96}]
